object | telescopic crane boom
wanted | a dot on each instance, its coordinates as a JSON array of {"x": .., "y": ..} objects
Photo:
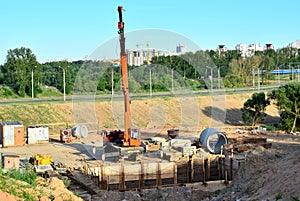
[{"x": 131, "y": 135}]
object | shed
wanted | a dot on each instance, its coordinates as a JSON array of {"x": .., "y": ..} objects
[
  {"x": 12, "y": 134},
  {"x": 37, "y": 134},
  {"x": 10, "y": 161}
]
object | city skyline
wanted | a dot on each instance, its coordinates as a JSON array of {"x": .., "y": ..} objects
[{"x": 73, "y": 30}]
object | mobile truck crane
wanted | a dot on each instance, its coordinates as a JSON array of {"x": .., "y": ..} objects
[{"x": 130, "y": 137}]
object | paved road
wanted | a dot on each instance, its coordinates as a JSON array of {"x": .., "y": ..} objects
[{"x": 108, "y": 97}]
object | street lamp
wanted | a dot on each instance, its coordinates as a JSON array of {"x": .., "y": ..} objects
[
  {"x": 258, "y": 81},
  {"x": 150, "y": 76},
  {"x": 172, "y": 79},
  {"x": 253, "y": 82},
  {"x": 32, "y": 90},
  {"x": 64, "y": 81},
  {"x": 278, "y": 74},
  {"x": 219, "y": 77},
  {"x": 112, "y": 80},
  {"x": 291, "y": 66},
  {"x": 211, "y": 76}
]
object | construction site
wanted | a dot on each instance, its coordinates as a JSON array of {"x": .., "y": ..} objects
[
  {"x": 245, "y": 167},
  {"x": 130, "y": 163}
]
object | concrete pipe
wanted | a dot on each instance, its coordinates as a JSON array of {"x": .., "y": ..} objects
[
  {"x": 212, "y": 139},
  {"x": 80, "y": 131}
]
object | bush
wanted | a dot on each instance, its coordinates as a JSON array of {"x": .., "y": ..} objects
[
  {"x": 28, "y": 176},
  {"x": 232, "y": 81},
  {"x": 66, "y": 181},
  {"x": 6, "y": 92},
  {"x": 278, "y": 196},
  {"x": 271, "y": 127}
]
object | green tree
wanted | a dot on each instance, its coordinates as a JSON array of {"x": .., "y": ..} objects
[
  {"x": 20, "y": 62},
  {"x": 287, "y": 99},
  {"x": 232, "y": 81},
  {"x": 254, "y": 108}
]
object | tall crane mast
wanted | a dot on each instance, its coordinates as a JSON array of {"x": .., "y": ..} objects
[{"x": 131, "y": 136}]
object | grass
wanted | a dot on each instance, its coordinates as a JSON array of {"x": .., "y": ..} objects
[
  {"x": 9, "y": 183},
  {"x": 28, "y": 196},
  {"x": 294, "y": 198},
  {"x": 29, "y": 176},
  {"x": 50, "y": 92},
  {"x": 278, "y": 196}
]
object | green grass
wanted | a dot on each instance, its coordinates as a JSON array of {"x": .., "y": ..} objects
[
  {"x": 278, "y": 196},
  {"x": 50, "y": 92},
  {"x": 294, "y": 198},
  {"x": 9, "y": 183},
  {"x": 28, "y": 176}
]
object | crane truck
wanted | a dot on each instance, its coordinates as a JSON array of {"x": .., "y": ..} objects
[{"x": 130, "y": 137}]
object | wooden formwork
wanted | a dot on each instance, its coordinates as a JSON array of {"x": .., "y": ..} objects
[{"x": 150, "y": 175}]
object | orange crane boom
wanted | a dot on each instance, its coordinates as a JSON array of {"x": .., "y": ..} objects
[{"x": 131, "y": 136}]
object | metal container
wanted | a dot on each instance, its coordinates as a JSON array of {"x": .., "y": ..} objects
[
  {"x": 12, "y": 134},
  {"x": 37, "y": 134}
]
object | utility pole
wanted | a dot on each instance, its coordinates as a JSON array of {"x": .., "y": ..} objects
[
  {"x": 150, "y": 81},
  {"x": 278, "y": 75},
  {"x": 253, "y": 82},
  {"x": 258, "y": 81},
  {"x": 172, "y": 79},
  {"x": 211, "y": 78},
  {"x": 298, "y": 73},
  {"x": 64, "y": 75},
  {"x": 150, "y": 72},
  {"x": 219, "y": 77},
  {"x": 64, "y": 82},
  {"x": 112, "y": 81},
  {"x": 32, "y": 89}
]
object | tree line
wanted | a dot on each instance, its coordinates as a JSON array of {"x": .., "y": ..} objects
[
  {"x": 166, "y": 73},
  {"x": 199, "y": 70},
  {"x": 287, "y": 100}
]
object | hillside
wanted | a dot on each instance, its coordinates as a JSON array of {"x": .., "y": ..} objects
[
  {"x": 255, "y": 179},
  {"x": 192, "y": 113}
]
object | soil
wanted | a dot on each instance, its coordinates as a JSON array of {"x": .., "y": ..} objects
[
  {"x": 269, "y": 174},
  {"x": 7, "y": 197},
  {"x": 156, "y": 114},
  {"x": 266, "y": 174}
]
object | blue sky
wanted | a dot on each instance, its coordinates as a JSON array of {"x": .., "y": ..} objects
[{"x": 55, "y": 29}]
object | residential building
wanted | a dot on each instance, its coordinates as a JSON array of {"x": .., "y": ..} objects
[
  {"x": 269, "y": 46},
  {"x": 294, "y": 44},
  {"x": 248, "y": 51},
  {"x": 138, "y": 57},
  {"x": 180, "y": 49},
  {"x": 221, "y": 48},
  {"x": 298, "y": 44}
]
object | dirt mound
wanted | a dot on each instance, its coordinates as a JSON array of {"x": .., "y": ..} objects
[
  {"x": 268, "y": 174},
  {"x": 46, "y": 190},
  {"x": 59, "y": 191},
  {"x": 7, "y": 197}
]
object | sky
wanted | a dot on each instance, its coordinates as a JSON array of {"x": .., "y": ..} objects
[{"x": 74, "y": 29}]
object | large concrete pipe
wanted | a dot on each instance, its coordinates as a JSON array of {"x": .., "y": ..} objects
[
  {"x": 80, "y": 131},
  {"x": 212, "y": 139}
]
